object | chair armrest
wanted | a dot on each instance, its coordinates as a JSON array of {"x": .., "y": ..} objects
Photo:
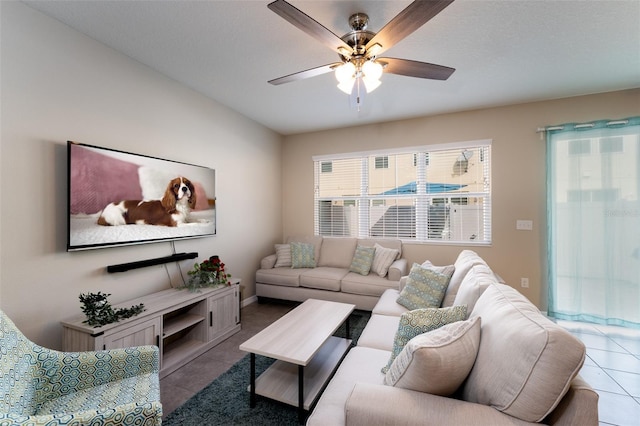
[
  {"x": 149, "y": 413},
  {"x": 371, "y": 404},
  {"x": 268, "y": 262},
  {"x": 96, "y": 368},
  {"x": 397, "y": 270}
]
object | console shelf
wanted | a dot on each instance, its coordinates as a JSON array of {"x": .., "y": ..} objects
[
  {"x": 181, "y": 323},
  {"x": 177, "y": 324}
]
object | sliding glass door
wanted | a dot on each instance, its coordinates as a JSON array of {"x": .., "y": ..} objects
[{"x": 593, "y": 190}]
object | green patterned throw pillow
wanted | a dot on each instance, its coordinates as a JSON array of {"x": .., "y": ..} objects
[
  {"x": 302, "y": 255},
  {"x": 362, "y": 260},
  {"x": 425, "y": 288},
  {"x": 419, "y": 321}
]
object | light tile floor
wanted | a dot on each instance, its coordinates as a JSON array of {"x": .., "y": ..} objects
[{"x": 612, "y": 366}]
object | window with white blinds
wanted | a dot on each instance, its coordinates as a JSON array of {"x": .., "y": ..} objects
[{"x": 437, "y": 193}]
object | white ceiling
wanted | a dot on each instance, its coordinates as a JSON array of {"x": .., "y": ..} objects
[{"x": 504, "y": 52}]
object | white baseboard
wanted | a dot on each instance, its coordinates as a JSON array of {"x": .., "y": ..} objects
[{"x": 249, "y": 300}]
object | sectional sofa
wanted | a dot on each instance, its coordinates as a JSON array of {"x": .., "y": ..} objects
[
  {"x": 501, "y": 362},
  {"x": 332, "y": 270}
]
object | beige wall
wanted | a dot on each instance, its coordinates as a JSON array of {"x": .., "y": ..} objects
[
  {"x": 518, "y": 173},
  {"x": 58, "y": 85}
]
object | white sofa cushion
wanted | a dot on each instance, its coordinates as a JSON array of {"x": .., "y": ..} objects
[
  {"x": 379, "y": 332},
  {"x": 361, "y": 365},
  {"x": 369, "y": 285},
  {"x": 376, "y": 405},
  {"x": 477, "y": 280},
  {"x": 323, "y": 277},
  {"x": 437, "y": 362},
  {"x": 387, "y": 304},
  {"x": 337, "y": 252},
  {"x": 465, "y": 261},
  {"x": 528, "y": 360},
  {"x": 286, "y": 277},
  {"x": 421, "y": 321}
]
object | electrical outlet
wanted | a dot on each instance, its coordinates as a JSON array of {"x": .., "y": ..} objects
[{"x": 524, "y": 282}]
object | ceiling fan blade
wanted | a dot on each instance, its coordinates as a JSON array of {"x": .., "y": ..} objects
[
  {"x": 410, "y": 19},
  {"x": 309, "y": 25},
  {"x": 416, "y": 69},
  {"x": 313, "y": 72}
]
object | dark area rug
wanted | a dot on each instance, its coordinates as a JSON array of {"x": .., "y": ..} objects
[{"x": 225, "y": 401}]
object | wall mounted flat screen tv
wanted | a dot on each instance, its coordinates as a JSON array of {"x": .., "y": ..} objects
[{"x": 98, "y": 177}]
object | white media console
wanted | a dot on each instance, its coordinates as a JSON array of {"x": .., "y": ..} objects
[{"x": 181, "y": 323}]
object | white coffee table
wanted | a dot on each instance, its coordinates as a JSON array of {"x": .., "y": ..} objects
[{"x": 306, "y": 351}]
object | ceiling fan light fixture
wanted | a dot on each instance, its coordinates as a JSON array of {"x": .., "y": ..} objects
[
  {"x": 345, "y": 72},
  {"x": 372, "y": 70},
  {"x": 371, "y": 73},
  {"x": 370, "y": 85},
  {"x": 347, "y": 86}
]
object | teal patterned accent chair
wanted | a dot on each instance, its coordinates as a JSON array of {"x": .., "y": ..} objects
[{"x": 39, "y": 386}]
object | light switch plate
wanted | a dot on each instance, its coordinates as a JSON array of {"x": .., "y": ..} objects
[{"x": 524, "y": 225}]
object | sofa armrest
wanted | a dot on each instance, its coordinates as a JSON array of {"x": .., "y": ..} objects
[
  {"x": 268, "y": 262},
  {"x": 397, "y": 270},
  {"x": 403, "y": 282},
  {"x": 371, "y": 404},
  {"x": 578, "y": 407}
]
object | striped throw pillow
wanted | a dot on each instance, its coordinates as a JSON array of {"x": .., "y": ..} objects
[{"x": 383, "y": 258}]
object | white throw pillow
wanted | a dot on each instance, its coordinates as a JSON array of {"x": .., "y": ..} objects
[
  {"x": 283, "y": 254},
  {"x": 418, "y": 321},
  {"x": 439, "y": 361},
  {"x": 382, "y": 259}
]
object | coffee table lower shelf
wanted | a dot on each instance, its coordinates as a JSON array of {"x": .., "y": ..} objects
[{"x": 281, "y": 380}]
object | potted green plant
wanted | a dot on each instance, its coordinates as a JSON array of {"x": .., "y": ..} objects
[{"x": 210, "y": 273}]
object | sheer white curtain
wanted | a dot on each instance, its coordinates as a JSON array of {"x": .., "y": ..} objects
[{"x": 593, "y": 203}]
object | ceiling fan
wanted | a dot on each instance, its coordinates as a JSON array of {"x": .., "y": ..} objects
[{"x": 360, "y": 68}]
